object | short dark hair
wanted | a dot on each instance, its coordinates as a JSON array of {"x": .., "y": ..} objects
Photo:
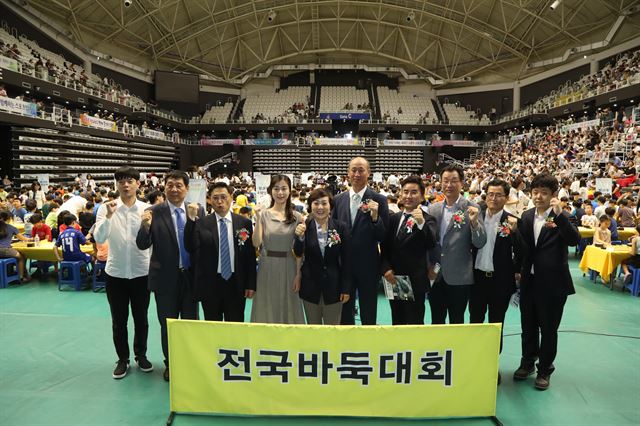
[
  {"x": 220, "y": 185},
  {"x": 413, "y": 179},
  {"x": 177, "y": 174},
  {"x": 610, "y": 211},
  {"x": 317, "y": 194},
  {"x": 453, "y": 168},
  {"x": 152, "y": 196},
  {"x": 545, "y": 180},
  {"x": 244, "y": 210},
  {"x": 515, "y": 183},
  {"x": 602, "y": 199},
  {"x": 69, "y": 219},
  {"x": 126, "y": 172},
  {"x": 30, "y": 204},
  {"x": 604, "y": 217},
  {"x": 502, "y": 183},
  {"x": 35, "y": 218}
]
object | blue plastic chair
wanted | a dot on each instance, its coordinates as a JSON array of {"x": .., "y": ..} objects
[
  {"x": 99, "y": 276},
  {"x": 634, "y": 287},
  {"x": 73, "y": 274},
  {"x": 8, "y": 272}
]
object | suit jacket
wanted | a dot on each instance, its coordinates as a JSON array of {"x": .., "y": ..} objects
[
  {"x": 549, "y": 256},
  {"x": 406, "y": 252},
  {"x": 365, "y": 234},
  {"x": 203, "y": 242},
  {"x": 507, "y": 254},
  {"x": 455, "y": 255},
  {"x": 326, "y": 275},
  {"x": 165, "y": 256}
]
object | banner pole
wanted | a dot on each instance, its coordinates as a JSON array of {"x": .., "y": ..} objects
[
  {"x": 172, "y": 414},
  {"x": 496, "y": 421}
]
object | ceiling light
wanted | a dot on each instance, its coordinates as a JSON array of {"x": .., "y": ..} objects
[{"x": 554, "y": 5}]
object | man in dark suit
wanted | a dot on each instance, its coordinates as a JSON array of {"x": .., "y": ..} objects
[
  {"x": 545, "y": 235},
  {"x": 497, "y": 263},
  {"x": 459, "y": 231},
  {"x": 225, "y": 261},
  {"x": 367, "y": 215},
  {"x": 410, "y": 235},
  {"x": 170, "y": 273}
]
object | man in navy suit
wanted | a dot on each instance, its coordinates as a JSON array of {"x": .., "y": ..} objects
[
  {"x": 170, "y": 273},
  {"x": 545, "y": 234},
  {"x": 410, "y": 235},
  {"x": 366, "y": 214},
  {"x": 225, "y": 260}
]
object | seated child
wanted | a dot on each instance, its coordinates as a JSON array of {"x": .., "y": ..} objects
[{"x": 70, "y": 239}]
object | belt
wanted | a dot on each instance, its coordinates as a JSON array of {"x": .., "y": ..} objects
[
  {"x": 271, "y": 253},
  {"x": 485, "y": 273}
]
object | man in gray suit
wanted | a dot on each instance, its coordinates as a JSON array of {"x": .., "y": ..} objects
[
  {"x": 459, "y": 230},
  {"x": 170, "y": 269}
]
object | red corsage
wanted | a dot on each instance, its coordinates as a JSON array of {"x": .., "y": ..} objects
[
  {"x": 242, "y": 235},
  {"x": 364, "y": 206},
  {"x": 504, "y": 230},
  {"x": 458, "y": 219},
  {"x": 409, "y": 224},
  {"x": 333, "y": 238}
]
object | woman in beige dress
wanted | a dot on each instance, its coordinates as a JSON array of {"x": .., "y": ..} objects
[{"x": 276, "y": 299}]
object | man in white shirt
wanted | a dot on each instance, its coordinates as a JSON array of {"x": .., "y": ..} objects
[{"x": 117, "y": 223}]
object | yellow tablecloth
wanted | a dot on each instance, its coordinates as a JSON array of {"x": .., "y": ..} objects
[
  {"x": 19, "y": 226},
  {"x": 44, "y": 251},
  {"x": 604, "y": 261},
  {"x": 623, "y": 234}
]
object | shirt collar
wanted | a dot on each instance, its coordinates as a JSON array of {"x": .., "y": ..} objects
[
  {"x": 493, "y": 217},
  {"x": 174, "y": 208},
  {"x": 454, "y": 204},
  {"x": 226, "y": 217},
  {"x": 361, "y": 193},
  {"x": 545, "y": 215}
]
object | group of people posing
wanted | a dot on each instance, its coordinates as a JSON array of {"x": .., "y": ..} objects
[{"x": 314, "y": 266}]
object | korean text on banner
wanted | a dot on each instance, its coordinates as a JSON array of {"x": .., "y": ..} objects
[{"x": 383, "y": 371}]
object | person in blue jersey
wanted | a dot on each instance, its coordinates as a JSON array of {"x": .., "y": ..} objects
[{"x": 70, "y": 240}]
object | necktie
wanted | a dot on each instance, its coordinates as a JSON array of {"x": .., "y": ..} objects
[
  {"x": 225, "y": 257},
  {"x": 355, "y": 204},
  {"x": 184, "y": 256},
  {"x": 402, "y": 230}
]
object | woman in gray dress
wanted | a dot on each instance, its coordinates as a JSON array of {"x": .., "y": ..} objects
[{"x": 276, "y": 299}]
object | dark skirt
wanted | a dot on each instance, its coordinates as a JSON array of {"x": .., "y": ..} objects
[{"x": 633, "y": 261}]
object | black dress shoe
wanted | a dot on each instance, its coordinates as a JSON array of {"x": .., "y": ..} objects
[
  {"x": 523, "y": 372},
  {"x": 542, "y": 382},
  {"x": 166, "y": 374}
]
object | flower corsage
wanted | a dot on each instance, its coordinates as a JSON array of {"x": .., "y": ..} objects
[
  {"x": 504, "y": 230},
  {"x": 458, "y": 219},
  {"x": 333, "y": 238},
  {"x": 549, "y": 223},
  {"x": 409, "y": 225},
  {"x": 242, "y": 235},
  {"x": 364, "y": 206}
]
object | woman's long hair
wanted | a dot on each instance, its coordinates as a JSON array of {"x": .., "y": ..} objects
[{"x": 288, "y": 208}]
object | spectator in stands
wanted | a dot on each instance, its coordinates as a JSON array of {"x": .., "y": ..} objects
[
  {"x": 155, "y": 197},
  {"x": 7, "y": 232},
  {"x": 6, "y": 182},
  {"x": 3, "y": 91},
  {"x": 39, "y": 228},
  {"x": 70, "y": 240},
  {"x": 278, "y": 281},
  {"x": 127, "y": 268}
]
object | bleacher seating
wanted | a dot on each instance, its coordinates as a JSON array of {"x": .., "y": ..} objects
[
  {"x": 415, "y": 109},
  {"x": 217, "y": 114},
  {"x": 460, "y": 115},
  {"x": 276, "y": 106},
  {"x": 335, "y": 99}
]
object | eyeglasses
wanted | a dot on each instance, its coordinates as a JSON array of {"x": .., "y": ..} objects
[
  {"x": 495, "y": 195},
  {"x": 450, "y": 182}
]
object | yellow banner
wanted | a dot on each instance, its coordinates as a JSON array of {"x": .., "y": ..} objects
[{"x": 381, "y": 371}]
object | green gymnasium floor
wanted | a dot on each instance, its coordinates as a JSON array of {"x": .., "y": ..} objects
[{"x": 56, "y": 359}]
